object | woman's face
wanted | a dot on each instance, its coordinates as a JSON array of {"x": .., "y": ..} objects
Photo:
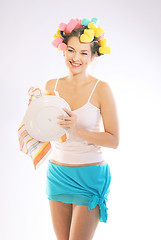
[{"x": 78, "y": 55}]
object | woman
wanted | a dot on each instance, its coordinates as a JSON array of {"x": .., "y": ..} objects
[{"x": 78, "y": 178}]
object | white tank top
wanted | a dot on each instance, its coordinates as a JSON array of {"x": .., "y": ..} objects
[{"x": 76, "y": 150}]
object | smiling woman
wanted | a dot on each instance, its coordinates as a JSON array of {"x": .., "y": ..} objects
[
  {"x": 78, "y": 178},
  {"x": 77, "y": 56}
]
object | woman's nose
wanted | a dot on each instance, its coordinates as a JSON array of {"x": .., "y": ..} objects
[{"x": 76, "y": 57}]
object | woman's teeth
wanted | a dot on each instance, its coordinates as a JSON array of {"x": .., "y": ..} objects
[{"x": 75, "y": 64}]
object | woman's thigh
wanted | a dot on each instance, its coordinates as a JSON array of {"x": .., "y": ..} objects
[
  {"x": 61, "y": 214},
  {"x": 84, "y": 222}
]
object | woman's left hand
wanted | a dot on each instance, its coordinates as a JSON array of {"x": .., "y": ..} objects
[{"x": 69, "y": 121}]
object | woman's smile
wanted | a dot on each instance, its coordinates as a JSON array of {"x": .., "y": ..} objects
[{"x": 75, "y": 65}]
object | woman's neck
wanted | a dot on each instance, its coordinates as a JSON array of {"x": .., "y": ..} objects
[{"x": 78, "y": 79}]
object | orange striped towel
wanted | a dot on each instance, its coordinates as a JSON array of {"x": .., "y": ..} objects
[{"x": 37, "y": 150}]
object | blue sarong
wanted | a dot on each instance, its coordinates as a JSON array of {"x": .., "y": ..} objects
[{"x": 84, "y": 185}]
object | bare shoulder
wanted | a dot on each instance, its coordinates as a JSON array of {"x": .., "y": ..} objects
[
  {"x": 102, "y": 84},
  {"x": 50, "y": 84},
  {"x": 104, "y": 91}
]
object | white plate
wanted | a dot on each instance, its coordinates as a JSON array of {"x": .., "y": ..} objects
[{"x": 41, "y": 118}]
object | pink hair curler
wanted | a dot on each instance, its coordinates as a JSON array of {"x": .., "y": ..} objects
[
  {"x": 71, "y": 25},
  {"x": 62, "y": 26},
  {"x": 57, "y": 41},
  {"x": 79, "y": 23},
  {"x": 62, "y": 46}
]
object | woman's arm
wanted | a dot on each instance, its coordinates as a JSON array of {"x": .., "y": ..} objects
[
  {"x": 99, "y": 138},
  {"x": 110, "y": 136}
]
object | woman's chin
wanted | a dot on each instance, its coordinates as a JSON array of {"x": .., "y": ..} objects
[{"x": 75, "y": 70}]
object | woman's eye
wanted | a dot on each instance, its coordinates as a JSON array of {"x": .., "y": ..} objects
[
  {"x": 84, "y": 53},
  {"x": 70, "y": 50}
]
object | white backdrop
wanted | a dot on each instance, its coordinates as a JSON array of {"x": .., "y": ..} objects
[{"x": 132, "y": 70}]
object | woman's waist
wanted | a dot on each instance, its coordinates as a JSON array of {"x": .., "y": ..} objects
[
  {"x": 71, "y": 157},
  {"x": 76, "y": 165}
]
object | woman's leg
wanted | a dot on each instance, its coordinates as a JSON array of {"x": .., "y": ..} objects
[
  {"x": 61, "y": 214},
  {"x": 84, "y": 222}
]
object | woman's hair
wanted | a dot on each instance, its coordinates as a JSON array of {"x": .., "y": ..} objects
[{"x": 77, "y": 32}]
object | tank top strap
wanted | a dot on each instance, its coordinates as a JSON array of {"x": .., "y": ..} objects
[
  {"x": 93, "y": 90},
  {"x": 56, "y": 84}
]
